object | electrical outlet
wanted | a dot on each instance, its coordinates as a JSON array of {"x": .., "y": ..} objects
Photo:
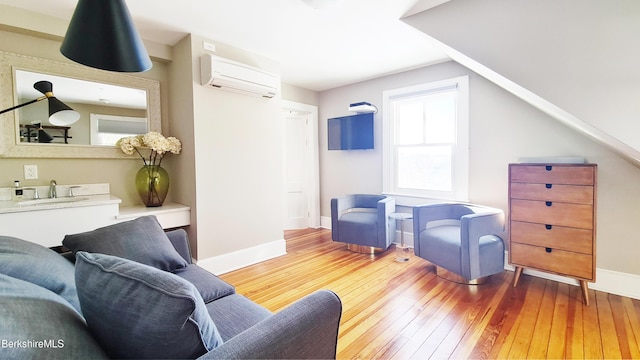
[{"x": 30, "y": 172}]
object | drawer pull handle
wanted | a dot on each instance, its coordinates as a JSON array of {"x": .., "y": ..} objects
[
  {"x": 548, "y": 226},
  {"x": 548, "y": 250},
  {"x": 548, "y": 186},
  {"x": 548, "y": 203},
  {"x": 548, "y": 167}
]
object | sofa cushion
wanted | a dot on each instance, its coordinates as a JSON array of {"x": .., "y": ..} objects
[
  {"x": 210, "y": 286},
  {"x": 142, "y": 240},
  {"x": 39, "y": 265},
  {"x": 39, "y": 324},
  {"x": 235, "y": 314},
  {"x": 137, "y": 311}
]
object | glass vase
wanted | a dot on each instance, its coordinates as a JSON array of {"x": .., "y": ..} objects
[{"x": 152, "y": 183}]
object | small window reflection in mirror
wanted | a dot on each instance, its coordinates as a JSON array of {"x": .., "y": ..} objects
[{"x": 108, "y": 129}]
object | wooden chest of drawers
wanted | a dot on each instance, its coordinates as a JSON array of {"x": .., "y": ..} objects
[{"x": 553, "y": 220}]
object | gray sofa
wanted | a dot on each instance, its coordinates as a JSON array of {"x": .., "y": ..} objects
[{"x": 131, "y": 291}]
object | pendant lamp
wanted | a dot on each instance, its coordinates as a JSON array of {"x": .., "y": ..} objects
[
  {"x": 101, "y": 35},
  {"x": 60, "y": 114}
]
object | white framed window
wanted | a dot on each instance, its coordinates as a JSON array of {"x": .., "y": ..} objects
[
  {"x": 426, "y": 140},
  {"x": 108, "y": 129}
]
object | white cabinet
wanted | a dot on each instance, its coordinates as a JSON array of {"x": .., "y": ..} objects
[{"x": 47, "y": 221}]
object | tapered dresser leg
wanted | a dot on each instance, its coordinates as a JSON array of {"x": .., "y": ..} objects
[
  {"x": 516, "y": 276},
  {"x": 585, "y": 291}
]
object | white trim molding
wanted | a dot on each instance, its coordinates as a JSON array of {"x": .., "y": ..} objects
[
  {"x": 313, "y": 158},
  {"x": 238, "y": 259}
]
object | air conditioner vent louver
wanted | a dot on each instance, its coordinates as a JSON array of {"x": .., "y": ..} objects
[{"x": 233, "y": 76}]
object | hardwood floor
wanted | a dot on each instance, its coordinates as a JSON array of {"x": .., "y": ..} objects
[{"x": 395, "y": 310}]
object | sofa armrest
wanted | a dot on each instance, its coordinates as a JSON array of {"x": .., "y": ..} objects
[
  {"x": 180, "y": 242},
  {"x": 307, "y": 329}
]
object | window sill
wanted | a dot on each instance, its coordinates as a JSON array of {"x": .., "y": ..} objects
[{"x": 410, "y": 201}]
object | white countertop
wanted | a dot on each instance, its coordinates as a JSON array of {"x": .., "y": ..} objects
[
  {"x": 9, "y": 206},
  {"x": 132, "y": 212}
]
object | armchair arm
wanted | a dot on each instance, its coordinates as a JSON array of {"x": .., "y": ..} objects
[
  {"x": 307, "y": 329},
  {"x": 487, "y": 221},
  {"x": 387, "y": 232},
  {"x": 338, "y": 205}
]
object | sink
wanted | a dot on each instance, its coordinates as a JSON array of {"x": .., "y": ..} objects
[{"x": 48, "y": 201}]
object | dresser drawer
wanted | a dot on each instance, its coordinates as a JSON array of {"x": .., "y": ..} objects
[
  {"x": 552, "y": 213},
  {"x": 578, "y": 194},
  {"x": 557, "y": 261},
  {"x": 556, "y": 237},
  {"x": 553, "y": 174}
]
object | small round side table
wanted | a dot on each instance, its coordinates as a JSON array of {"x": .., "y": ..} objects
[{"x": 402, "y": 250}]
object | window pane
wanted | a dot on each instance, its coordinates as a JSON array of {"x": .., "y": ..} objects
[
  {"x": 425, "y": 168},
  {"x": 440, "y": 114},
  {"x": 409, "y": 121}
]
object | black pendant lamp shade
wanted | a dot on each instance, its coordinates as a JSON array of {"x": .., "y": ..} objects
[
  {"x": 59, "y": 113},
  {"x": 102, "y": 35}
]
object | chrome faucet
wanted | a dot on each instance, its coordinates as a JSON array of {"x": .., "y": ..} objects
[{"x": 52, "y": 189}]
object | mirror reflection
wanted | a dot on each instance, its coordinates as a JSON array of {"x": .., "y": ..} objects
[{"x": 107, "y": 112}]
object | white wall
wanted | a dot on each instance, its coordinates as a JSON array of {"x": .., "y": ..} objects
[
  {"x": 581, "y": 55},
  {"x": 233, "y": 177},
  {"x": 502, "y": 129}
]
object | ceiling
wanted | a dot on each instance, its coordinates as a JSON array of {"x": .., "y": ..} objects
[{"x": 319, "y": 46}]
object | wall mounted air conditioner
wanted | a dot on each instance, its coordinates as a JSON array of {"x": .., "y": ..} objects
[{"x": 233, "y": 76}]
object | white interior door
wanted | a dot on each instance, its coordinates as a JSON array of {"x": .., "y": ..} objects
[{"x": 296, "y": 170}]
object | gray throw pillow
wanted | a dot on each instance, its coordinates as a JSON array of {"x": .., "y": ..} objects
[
  {"x": 137, "y": 311},
  {"x": 39, "y": 265},
  {"x": 10, "y": 286},
  {"x": 34, "y": 328},
  {"x": 142, "y": 240},
  {"x": 38, "y": 324}
]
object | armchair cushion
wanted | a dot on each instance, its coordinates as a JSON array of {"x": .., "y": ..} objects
[
  {"x": 142, "y": 240},
  {"x": 363, "y": 219},
  {"x": 137, "y": 311},
  {"x": 39, "y": 265},
  {"x": 444, "y": 242},
  {"x": 358, "y": 225}
]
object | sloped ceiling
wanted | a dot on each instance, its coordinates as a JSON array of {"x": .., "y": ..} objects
[{"x": 576, "y": 60}]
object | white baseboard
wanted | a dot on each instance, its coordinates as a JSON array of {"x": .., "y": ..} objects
[
  {"x": 238, "y": 259},
  {"x": 613, "y": 282},
  {"x": 325, "y": 222}
]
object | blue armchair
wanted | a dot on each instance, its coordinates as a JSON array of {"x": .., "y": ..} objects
[
  {"x": 362, "y": 221},
  {"x": 460, "y": 239}
]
